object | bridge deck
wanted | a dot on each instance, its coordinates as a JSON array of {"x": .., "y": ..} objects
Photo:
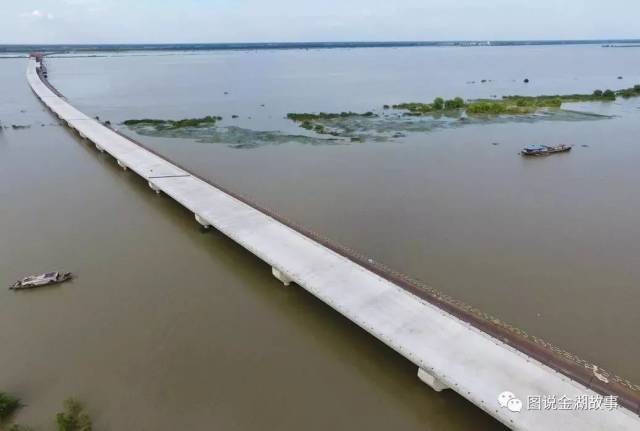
[{"x": 459, "y": 356}]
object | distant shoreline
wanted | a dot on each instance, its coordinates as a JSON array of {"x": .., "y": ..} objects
[{"x": 61, "y": 48}]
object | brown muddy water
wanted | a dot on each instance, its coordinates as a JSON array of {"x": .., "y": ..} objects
[
  {"x": 170, "y": 327},
  {"x": 167, "y": 326}
]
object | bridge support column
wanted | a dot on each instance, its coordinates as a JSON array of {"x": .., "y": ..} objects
[
  {"x": 281, "y": 276},
  {"x": 99, "y": 148},
  {"x": 122, "y": 165},
  {"x": 431, "y": 380},
  {"x": 154, "y": 188},
  {"x": 202, "y": 221}
]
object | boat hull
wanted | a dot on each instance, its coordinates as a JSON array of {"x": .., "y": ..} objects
[
  {"x": 61, "y": 278},
  {"x": 546, "y": 151}
]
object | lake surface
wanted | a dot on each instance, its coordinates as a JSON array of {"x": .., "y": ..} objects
[{"x": 168, "y": 325}]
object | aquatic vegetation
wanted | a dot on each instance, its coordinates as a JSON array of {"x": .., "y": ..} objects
[
  {"x": 345, "y": 127},
  {"x": 438, "y": 104},
  {"x": 629, "y": 92},
  {"x": 355, "y": 129},
  {"x": 174, "y": 124},
  {"x": 235, "y": 137},
  {"x": 73, "y": 417},
  {"x": 528, "y": 104},
  {"x": 515, "y": 105},
  {"x": 456, "y": 103},
  {"x": 608, "y": 94},
  {"x": 9, "y": 404},
  {"x": 397, "y": 126},
  {"x": 144, "y": 121},
  {"x": 546, "y": 100},
  {"x": 491, "y": 107},
  {"x": 532, "y": 101},
  {"x": 512, "y": 105},
  {"x": 306, "y": 117},
  {"x": 415, "y": 107},
  {"x": 321, "y": 123}
]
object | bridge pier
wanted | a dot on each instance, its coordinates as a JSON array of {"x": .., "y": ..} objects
[
  {"x": 281, "y": 276},
  {"x": 122, "y": 165},
  {"x": 431, "y": 380},
  {"x": 202, "y": 221},
  {"x": 154, "y": 187},
  {"x": 99, "y": 148}
]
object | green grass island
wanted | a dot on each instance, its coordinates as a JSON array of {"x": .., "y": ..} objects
[
  {"x": 328, "y": 123},
  {"x": 513, "y": 105}
]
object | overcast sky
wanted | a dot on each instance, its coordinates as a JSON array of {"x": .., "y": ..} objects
[{"x": 121, "y": 21}]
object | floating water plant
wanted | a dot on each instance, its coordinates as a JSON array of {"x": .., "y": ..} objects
[
  {"x": 321, "y": 122},
  {"x": 174, "y": 124},
  {"x": 73, "y": 417},
  {"x": 8, "y": 405},
  {"x": 305, "y": 117}
]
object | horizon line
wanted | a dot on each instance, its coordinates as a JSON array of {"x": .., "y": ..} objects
[{"x": 304, "y": 42}]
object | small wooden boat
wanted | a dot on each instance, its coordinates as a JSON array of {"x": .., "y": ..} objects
[
  {"x": 40, "y": 280},
  {"x": 544, "y": 150}
]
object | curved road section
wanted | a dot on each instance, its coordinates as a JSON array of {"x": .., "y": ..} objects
[{"x": 521, "y": 392}]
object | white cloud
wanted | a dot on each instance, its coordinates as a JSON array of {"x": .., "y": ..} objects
[{"x": 38, "y": 14}]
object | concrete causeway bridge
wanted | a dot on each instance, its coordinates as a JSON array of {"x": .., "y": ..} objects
[{"x": 522, "y": 381}]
